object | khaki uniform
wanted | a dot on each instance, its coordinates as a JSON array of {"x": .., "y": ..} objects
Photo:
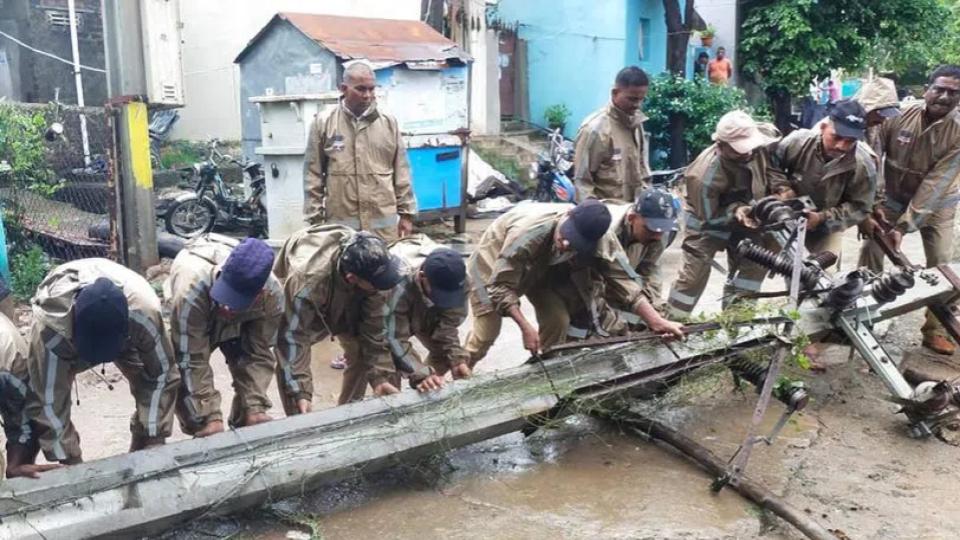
[
  {"x": 147, "y": 361},
  {"x": 879, "y": 93},
  {"x": 843, "y": 189},
  {"x": 716, "y": 187},
  {"x": 319, "y": 303},
  {"x": 410, "y": 313},
  {"x": 358, "y": 167},
  {"x": 14, "y": 388},
  {"x": 921, "y": 184},
  {"x": 610, "y": 156},
  {"x": 513, "y": 259},
  {"x": 196, "y": 329}
]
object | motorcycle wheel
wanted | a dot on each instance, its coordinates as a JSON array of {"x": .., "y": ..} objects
[
  {"x": 191, "y": 218},
  {"x": 543, "y": 194}
]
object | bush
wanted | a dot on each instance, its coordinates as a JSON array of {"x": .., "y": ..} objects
[
  {"x": 23, "y": 149},
  {"x": 700, "y": 102},
  {"x": 556, "y": 115},
  {"x": 27, "y": 270}
]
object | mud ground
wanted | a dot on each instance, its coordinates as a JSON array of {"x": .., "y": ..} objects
[{"x": 846, "y": 460}]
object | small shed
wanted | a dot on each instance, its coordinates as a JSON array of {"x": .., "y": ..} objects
[{"x": 422, "y": 79}]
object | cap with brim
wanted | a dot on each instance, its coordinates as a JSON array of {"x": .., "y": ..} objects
[
  {"x": 848, "y": 132},
  {"x": 447, "y": 299},
  {"x": 224, "y": 293},
  {"x": 583, "y": 246},
  {"x": 752, "y": 142},
  {"x": 387, "y": 275},
  {"x": 101, "y": 319},
  {"x": 888, "y": 112},
  {"x": 660, "y": 224}
]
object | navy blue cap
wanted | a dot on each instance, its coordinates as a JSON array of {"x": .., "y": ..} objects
[
  {"x": 366, "y": 256},
  {"x": 849, "y": 119},
  {"x": 447, "y": 275},
  {"x": 100, "y": 322},
  {"x": 585, "y": 226},
  {"x": 243, "y": 275},
  {"x": 656, "y": 206}
]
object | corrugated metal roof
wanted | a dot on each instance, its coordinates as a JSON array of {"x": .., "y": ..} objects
[{"x": 378, "y": 40}]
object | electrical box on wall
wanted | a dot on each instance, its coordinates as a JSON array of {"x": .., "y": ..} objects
[{"x": 162, "y": 51}]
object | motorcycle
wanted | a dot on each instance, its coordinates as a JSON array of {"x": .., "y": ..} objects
[
  {"x": 210, "y": 203},
  {"x": 553, "y": 171}
]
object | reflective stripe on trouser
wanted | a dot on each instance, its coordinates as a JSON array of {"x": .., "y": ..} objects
[
  {"x": 355, "y": 375},
  {"x": 295, "y": 336},
  {"x": 937, "y": 237},
  {"x": 698, "y": 251}
]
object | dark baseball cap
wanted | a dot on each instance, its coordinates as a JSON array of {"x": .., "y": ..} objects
[
  {"x": 585, "y": 225},
  {"x": 657, "y": 209},
  {"x": 243, "y": 274},
  {"x": 447, "y": 275},
  {"x": 849, "y": 119},
  {"x": 366, "y": 256},
  {"x": 101, "y": 319}
]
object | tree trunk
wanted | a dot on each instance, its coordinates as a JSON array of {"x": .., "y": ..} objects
[
  {"x": 780, "y": 100},
  {"x": 678, "y": 36}
]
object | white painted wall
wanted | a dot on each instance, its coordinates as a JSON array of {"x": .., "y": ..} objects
[
  {"x": 722, "y": 14},
  {"x": 215, "y": 31},
  {"x": 484, "y": 47}
]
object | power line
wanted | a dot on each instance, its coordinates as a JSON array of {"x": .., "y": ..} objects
[{"x": 49, "y": 55}]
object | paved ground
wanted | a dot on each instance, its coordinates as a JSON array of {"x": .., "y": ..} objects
[{"x": 847, "y": 461}]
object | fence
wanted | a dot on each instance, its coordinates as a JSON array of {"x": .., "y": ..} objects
[{"x": 58, "y": 194}]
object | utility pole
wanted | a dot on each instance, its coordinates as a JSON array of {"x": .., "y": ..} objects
[
  {"x": 127, "y": 89},
  {"x": 78, "y": 78}
]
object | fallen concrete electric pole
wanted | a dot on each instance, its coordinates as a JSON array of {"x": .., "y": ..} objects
[{"x": 148, "y": 492}]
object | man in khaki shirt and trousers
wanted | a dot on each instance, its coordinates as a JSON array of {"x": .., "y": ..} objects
[
  {"x": 610, "y": 153},
  {"x": 356, "y": 169},
  {"x": 222, "y": 295},
  {"x": 831, "y": 165},
  {"x": 921, "y": 149}
]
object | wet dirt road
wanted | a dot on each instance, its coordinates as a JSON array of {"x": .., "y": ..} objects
[{"x": 847, "y": 461}]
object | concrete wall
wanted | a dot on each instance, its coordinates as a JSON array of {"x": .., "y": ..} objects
[
  {"x": 34, "y": 78},
  {"x": 285, "y": 62},
  {"x": 722, "y": 14},
  {"x": 576, "y": 47},
  {"x": 215, "y": 31}
]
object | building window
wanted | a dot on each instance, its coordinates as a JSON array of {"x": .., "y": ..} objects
[{"x": 643, "y": 38}]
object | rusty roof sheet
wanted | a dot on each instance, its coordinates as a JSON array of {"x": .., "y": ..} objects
[{"x": 378, "y": 40}]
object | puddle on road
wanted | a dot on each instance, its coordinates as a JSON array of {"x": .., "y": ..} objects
[{"x": 582, "y": 480}]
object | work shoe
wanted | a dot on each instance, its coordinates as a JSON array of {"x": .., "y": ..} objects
[
  {"x": 142, "y": 442},
  {"x": 939, "y": 344},
  {"x": 212, "y": 427}
]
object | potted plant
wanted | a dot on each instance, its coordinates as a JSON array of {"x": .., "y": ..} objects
[
  {"x": 706, "y": 35},
  {"x": 556, "y": 116}
]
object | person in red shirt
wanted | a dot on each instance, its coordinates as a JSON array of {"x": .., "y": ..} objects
[{"x": 719, "y": 70}]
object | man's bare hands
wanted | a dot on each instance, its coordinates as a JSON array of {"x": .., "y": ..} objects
[
  {"x": 431, "y": 382},
  {"x": 667, "y": 328},
  {"x": 29, "y": 470},
  {"x": 304, "y": 406},
  {"x": 896, "y": 237},
  {"x": 385, "y": 389},
  {"x": 531, "y": 339},
  {"x": 743, "y": 217},
  {"x": 461, "y": 371},
  {"x": 405, "y": 226},
  {"x": 787, "y": 194},
  {"x": 814, "y": 219}
]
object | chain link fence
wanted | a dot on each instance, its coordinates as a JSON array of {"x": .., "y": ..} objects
[{"x": 57, "y": 187}]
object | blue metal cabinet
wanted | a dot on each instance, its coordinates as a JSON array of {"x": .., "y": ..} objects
[{"x": 436, "y": 172}]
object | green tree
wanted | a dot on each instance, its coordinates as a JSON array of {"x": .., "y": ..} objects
[
  {"x": 697, "y": 103},
  {"x": 786, "y": 43}
]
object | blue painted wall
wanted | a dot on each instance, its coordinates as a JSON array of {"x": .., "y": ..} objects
[{"x": 576, "y": 47}]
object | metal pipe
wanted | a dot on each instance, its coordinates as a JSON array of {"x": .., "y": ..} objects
[{"x": 78, "y": 77}]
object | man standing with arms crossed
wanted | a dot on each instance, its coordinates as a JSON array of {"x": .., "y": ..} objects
[
  {"x": 922, "y": 180},
  {"x": 610, "y": 154}
]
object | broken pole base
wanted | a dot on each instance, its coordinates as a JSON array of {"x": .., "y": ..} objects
[{"x": 648, "y": 428}]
